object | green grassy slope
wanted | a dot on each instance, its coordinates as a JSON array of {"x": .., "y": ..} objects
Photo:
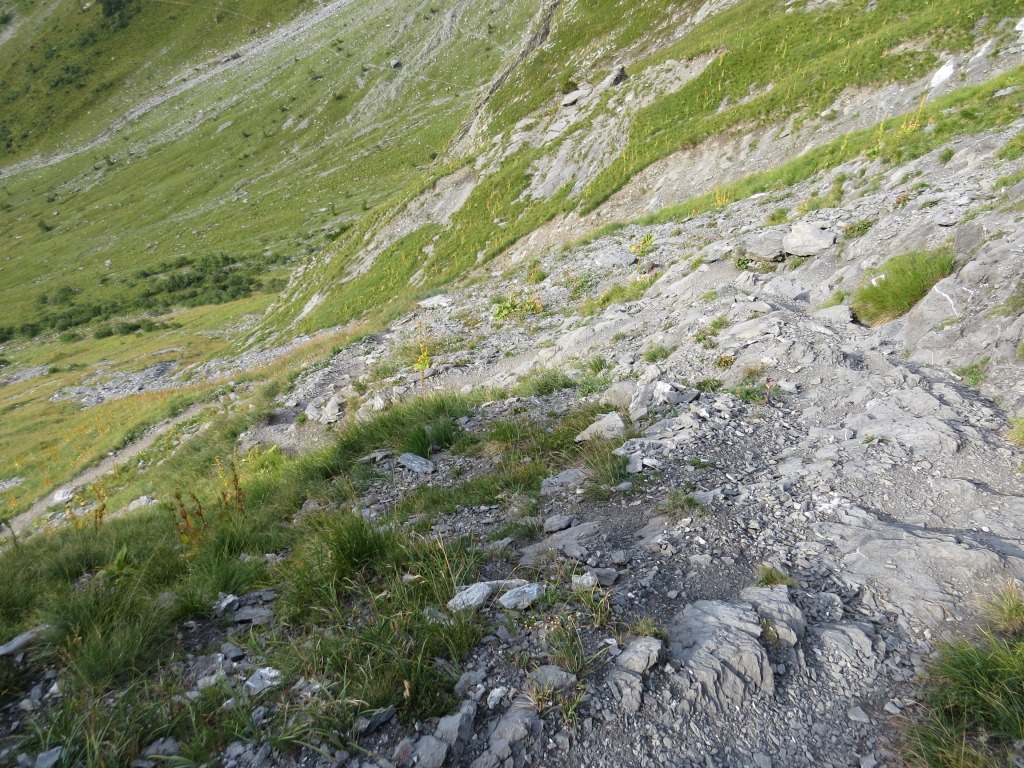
[
  {"x": 69, "y": 66},
  {"x": 264, "y": 163}
]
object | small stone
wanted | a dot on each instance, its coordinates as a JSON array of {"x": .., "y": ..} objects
[
  {"x": 166, "y": 747},
  {"x": 858, "y": 715},
  {"x": 50, "y": 758},
  {"x": 367, "y": 725},
  {"x": 471, "y": 597},
  {"x": 551, "y": 677},
  {"x": 584, "y": 581},
  {"x": 496, "y": 696},
  {"x": 521, "y": 598},
  {"x": 429, "y": 752},
  {"x": 417, "y": 464},
  {"x": 232, "y": 652},
  {"x": 605, "y": 576},
  {"x": 557, "y": 523},
  {"x": 608, "y": 427},
  {"x": 641, "y": 654},
  {"x": 261, "y": 680}
]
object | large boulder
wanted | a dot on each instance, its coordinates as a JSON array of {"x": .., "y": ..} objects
[{"x": 808, "y": 240}]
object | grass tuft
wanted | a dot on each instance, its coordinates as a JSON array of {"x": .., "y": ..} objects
[
  {"x": 899, "y": 284},
  {"x": 770, "y": 576}
]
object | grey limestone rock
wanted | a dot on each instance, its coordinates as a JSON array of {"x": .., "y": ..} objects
[
  {"x": 641, "y": 654},
  {"x": 417, "y": 464},
  {"x": 521, "y": 598},
  {"x": 456, "y": 730},
  {"x": 569, "y": 480},
  {"x": 772, "y": 604},
  {"x": 551, "y": 677},
  {"x": 718, "y": 644},
  {"x": 514, "y": 739},
  {"x": 608, "y": 427},
  {"x": 806, "y": 239}
]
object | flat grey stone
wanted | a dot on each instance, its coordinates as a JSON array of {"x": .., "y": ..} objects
[
  {"x": 472, "y": 597},
  {"x": 475, "y": 595},
  {"x": 606, "y": 577},
  {"x": 456, "y": 730},
  {"x": 626, "y": 688},
  {"x": 584, "y": 581},
  {"x": 23, "y": 641},
  {"x": 429, "y": 752},
  {"x": 551, "y": 677},
  {"x": 521, "y": 598},
  {"x": 641, "y": 654},
  {"x": 557, "y": 523},
  {"x": 50, "y": 758},
  {"x": 569, "y": 480},
  {"x": 263, "y": 679},
  {"x": 166, "y": 747},
  {"x": 417, "y": 464},
  {"x": 608, "y": 427},
  {"x": 620, "y": 394}
]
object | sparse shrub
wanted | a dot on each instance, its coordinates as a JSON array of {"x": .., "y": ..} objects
[
  {"x": 103, "y": 332},
  {"x": 724, "y": 362},
  {"x": 535, "y": 273},
  {"x": 857, "y": 229},
  {"x": 1016, "y": 433},
  {"x": 709, "y": 385},
  {"x": 70, "y": 337},
  {"x": 1014, "y": 148},
  {"x": 657, "y": 352},
  {"x": 515, "y": 306},
  {"x": 596, "y": 364},
  {"x": 770, "y": 576},
  {"x": 974, "y": 374},
  {"x": 899, "y": 284},
  {"x": 541, "y": 382},
  {"x": 834, "y": 300},
  {"x": 618, "y": 294},
  {"x": 682, "y": 503},
  {"x": 778, "y": 216},
  {"x": 974, "y": 694},
  {"x": 607, "y": 469}
]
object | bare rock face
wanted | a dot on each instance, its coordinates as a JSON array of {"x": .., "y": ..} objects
[{"x": 719, "y": 645}]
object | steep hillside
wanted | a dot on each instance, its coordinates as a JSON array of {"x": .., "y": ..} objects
[{"x": 604, "y": 383}]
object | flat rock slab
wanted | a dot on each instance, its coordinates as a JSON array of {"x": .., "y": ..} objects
[
  {"x": 475, "y": 595},
  {"x": 913, "y": 567},
  {"x": 558, "y": 541},
  {"x": 261, "y": 680},
  {"x": 551, "y": 677},
  {"x": 23, "y": 641},
  {"x": 608, "y": 427},
  {"x": 521, "y": 598},
  {"x": 557, "y": 523},
  {"x": 417, "y": 464}
]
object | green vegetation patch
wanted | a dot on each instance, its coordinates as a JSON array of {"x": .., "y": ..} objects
[
  {"x": 896, "y": 286},
  {"x": 975, "y": 694}
]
